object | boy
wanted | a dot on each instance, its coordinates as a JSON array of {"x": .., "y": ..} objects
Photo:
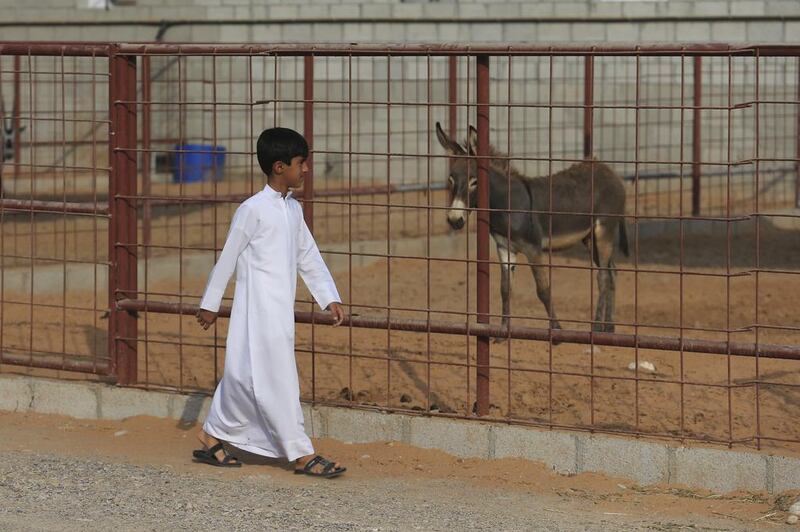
[{"x": 256, "y": 406}]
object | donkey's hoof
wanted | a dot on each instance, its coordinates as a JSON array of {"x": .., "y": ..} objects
[
  {"x": 609, "y": 328},
  {"x": 598, "y": 327},
  {"x": 499, "y": 339}
]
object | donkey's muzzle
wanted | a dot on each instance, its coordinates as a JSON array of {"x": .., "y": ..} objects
[{"x": 456, "y": 223}]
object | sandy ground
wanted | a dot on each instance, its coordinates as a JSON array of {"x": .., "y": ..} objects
[{"x": 137, "y": 474}]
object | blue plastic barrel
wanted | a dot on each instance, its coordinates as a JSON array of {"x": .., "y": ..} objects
[{"x": 198, "y": 162}]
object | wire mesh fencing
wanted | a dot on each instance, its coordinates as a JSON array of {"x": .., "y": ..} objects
[{"x": 134, "y": 157}]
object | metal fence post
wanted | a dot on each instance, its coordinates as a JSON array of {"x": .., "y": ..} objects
[
  {"x": 482, "y": 380},
  {"x": 146, "y": 154},
  {"x": 122, "y": 325},
  {"x": 308, "y": 132},
  {"x": 16, "y": 119},
  {"x": 797, "y": 141},
  {"x": 588, "y": 103},
  {"x": 452, "y": 95},
  {"x": 696, "y": 140}
]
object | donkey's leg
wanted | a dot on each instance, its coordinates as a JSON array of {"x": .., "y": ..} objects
[
  {"x": 591, "y": 244},
  {"x": 542, "y": 279},
  {"x": 505, "y": 284},
  {"x": 610, "y": 295},
  {"x": 604, "y": 244}
]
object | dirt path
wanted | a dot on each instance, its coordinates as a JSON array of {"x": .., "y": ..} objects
[{"x": 59, "y": 473}]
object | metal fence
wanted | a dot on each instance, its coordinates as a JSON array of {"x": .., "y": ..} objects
[{"x": 109, "y": 231}]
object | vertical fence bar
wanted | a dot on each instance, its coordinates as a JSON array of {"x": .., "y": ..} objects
[
  {"x": 696, "y": 140},
  {"x": 452, "y": 111},
  {"x": 797, "y": 140},
  {"x": 16, "y": 119},
  {"x": 588, "y": 103},
  {"x": 482, "y": 379},
  {"x": 122, "y": 224},
  {"x": 308, "y": 132},
  {"x": 146, "y": 154},
  {"x": 452, "y": 95}
]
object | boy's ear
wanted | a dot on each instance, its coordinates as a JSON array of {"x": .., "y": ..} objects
[{"x": 277, "y": 167}]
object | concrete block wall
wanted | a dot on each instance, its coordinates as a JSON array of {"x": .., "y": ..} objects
[{"x": 399, "y": 20}]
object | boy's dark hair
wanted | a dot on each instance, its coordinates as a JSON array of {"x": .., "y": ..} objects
[{"x": 279, "y": 144}]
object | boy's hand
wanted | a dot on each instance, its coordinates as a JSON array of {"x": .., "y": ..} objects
[
  {"x": 338, "y": 313},
  {"x": 206, "y": 318}
]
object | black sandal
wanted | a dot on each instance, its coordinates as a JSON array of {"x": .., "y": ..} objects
[
  {"x": 209, "y": 456},
  {"x": 329, "y": 469}
]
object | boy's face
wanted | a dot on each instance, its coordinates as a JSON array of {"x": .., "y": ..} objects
[{"x": 293, "y": 174}]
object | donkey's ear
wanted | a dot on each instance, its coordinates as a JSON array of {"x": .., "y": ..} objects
[
  {"x": 447, "y": 143},
  {"x": 472, "y": 140}
]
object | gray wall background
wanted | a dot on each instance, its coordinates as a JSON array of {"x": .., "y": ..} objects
[{"x": 410, "y": 21}]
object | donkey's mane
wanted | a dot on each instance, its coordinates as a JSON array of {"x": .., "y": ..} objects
[{"x": 502, "y": 164}]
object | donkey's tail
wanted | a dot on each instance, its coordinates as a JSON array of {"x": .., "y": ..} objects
[{"x": 623, "y": 238}]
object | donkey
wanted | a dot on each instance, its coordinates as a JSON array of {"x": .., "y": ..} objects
[
  {"x": 7, "y": 134},
  {"x": 588, "y": 205}
]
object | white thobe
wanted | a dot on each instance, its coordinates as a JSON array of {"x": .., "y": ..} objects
[{"x": 256, "y": 405}]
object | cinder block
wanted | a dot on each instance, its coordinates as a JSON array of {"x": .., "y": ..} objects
[
  {"x": 765, "y": 32},
  {"x": 639, "y": 9},
  {"x": 536, "y": 9},
  {"x": 390, "y": 32},
  {"x": 326, "y": 33},
  {"x": 553, "y": 32},
  {"x": 519, "y": 32},
  {"x": 121, "y": 403},
  {"x": 786, "y": 473},
  {"x": 505, "y": 10},
  {"x": 16, "y": 393},
  {"x": 75, "y": 399},
  {"x": 467, "y": 439},
  {"x": 747, "y": 8},
  {"x": 720, "y": 471},
  {"x": 231, "y": 33},
  {"x": 792, "y": 28},
  {"x": 284, "y": 12},
  {"x": 441, "y": 11},
  {"x": 707, "y": 8},
  {"x": 623, "y": 32},
  {"x": 473, "y": 11},
  {"x": 644, "y": 462},
  {"x": 359, "y": 32},
  {"x": 316, "y": 421},
  {"x": 728, "y": 31},
  {"x": 358, "y": 426},
  {"x": 657, "y": 32},
  {"x": 351, "y": 11},
  {"x": 447, "y": 32},
  {"x": 189, "y": 409},
  {"x": 692, "y": 31},
  {"x": 486, "y": 32},
  {"x": 242, "y": 13},
  {"x": 606, "y": 9},
  {"x": 557, "y": 450},
  {"x": 407, "y": 11},
  {"x": 220, "y": 13},
  {"x": 420, "y": 32},
  {"x": 676, "y": 8},
  {"x": 371, "y": 11},
  {"x": 588, "y": 32},
  {"x": 571, "y": 10},
  {"x": 783, "y": 7}
]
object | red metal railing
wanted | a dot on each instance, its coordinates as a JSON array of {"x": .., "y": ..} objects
[{"x": 376, "y": 201}]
